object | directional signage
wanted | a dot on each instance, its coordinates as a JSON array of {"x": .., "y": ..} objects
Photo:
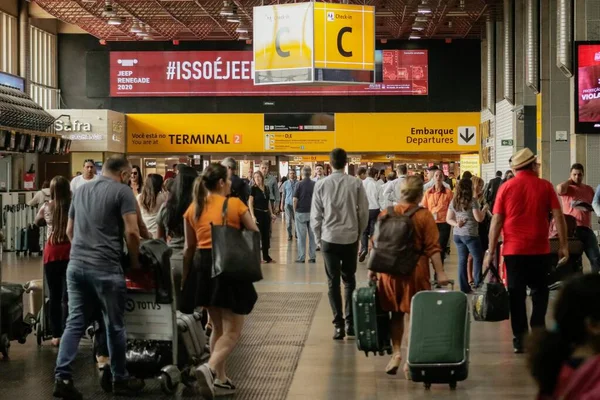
[
  {"x": 314, "y": 42},
  {"x": 283, "y": 43},
  {"x": 507, "y": 142},
  {"x": 467, "y": 135}
]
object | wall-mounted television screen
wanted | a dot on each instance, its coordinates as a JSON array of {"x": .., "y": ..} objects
[
  {"x": 40, "y": 143},
  {"x": 22, "y": 141},
  {"x": 48, "y": 145},
  {"x": 31, "y": 142},
  {"x": 587, "y": 87}
]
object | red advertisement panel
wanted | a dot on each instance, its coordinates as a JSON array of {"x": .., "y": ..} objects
[
  {"x": 588, "y": 88},
  {"x": 229, "y": 73}
]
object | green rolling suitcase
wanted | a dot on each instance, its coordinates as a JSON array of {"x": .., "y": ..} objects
[
  {"x": 438, "y": 346},
  {"x": 371, "y": 323}
]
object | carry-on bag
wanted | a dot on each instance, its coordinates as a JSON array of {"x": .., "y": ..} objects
[
  {"x": 438, "y": 346},
  {"x": 491, "y": 302},
  {"x": 371, "y": 323},
  {"x": 235, "y": 252},
  {"x": 192, "y": 338},
  {"x": 12, "y": 324},
  {"x": 33, "y": 239}
]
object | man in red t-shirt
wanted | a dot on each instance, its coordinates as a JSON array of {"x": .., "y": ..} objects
[
  {"x": 521, "y": 212},
  {"x": 577, "y": 199}
]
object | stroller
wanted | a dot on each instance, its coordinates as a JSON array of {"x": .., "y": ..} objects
[{"x": 162, "y": 343}]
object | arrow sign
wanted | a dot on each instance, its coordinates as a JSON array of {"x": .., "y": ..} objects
[{"x": 467, "y": 135}]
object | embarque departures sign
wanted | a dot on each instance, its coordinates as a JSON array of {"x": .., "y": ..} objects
[{"x": 313, "y": 43}]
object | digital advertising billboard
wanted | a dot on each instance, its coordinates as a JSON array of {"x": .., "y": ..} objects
[
  {"x": 587, "y": 87},
  {"x": 230, "y": 73}
]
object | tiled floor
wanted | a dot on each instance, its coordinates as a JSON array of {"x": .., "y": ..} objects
[{"x": 336, "y": 370}]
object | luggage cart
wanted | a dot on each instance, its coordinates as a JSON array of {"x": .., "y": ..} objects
[{"x": 152, "y": 335}]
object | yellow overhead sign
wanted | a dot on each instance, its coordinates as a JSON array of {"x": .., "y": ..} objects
[
  {"x": 283, "y": 37},
  {"x": 313, "y": 43},
  {"x": 387, "y": 133},
  {"x": 344, "y": 36},
  {"x": 470, "y": 162}
]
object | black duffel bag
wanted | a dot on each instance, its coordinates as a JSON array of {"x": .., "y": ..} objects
[{"x": 490, "y": 300}]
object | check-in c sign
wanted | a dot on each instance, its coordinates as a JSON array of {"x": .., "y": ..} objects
[
  {"x": 340, "y": 47},
  {"x": 344, "y": 36},
  {"x": 281, "y": 52}
]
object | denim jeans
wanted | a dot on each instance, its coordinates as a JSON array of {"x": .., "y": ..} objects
[
  {"x": 369, "y": 231},
  {"x": 89, "y": 286},
  {"x": 289, "y": 219},
  {"x": 303, "y": 229},
  {"x": 590, "y": 246},
  {"x": 468, "y": 245}
]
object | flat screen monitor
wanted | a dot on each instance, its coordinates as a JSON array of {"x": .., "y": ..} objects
[
  {"x": 31, "y": 142},
  {"x": 587, "y": 87},
  {"x": 48, "y": 145},
  {"x": 22, "y": 141},
  {"x": 40, "y": 143},
  {"x": 4, "y": 139},
  {"x": 12, "y": 144}
]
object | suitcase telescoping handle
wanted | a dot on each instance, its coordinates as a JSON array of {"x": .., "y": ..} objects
[{"x": 436, "y": 285}]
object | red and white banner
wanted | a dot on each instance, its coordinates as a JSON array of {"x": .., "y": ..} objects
[{"x": 229, "y": 73}]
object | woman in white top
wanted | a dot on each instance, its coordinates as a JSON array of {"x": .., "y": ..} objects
[{"x": 150, "y": 201}]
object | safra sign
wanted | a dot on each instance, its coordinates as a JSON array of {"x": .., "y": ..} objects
[
  {"x": 74, "y": 126},
  {"x": 302, "y": 43}
]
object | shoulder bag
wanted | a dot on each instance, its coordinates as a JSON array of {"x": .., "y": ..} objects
[
  {"x": 235, "y": 252},
  {"x": 490, "y": 302}
]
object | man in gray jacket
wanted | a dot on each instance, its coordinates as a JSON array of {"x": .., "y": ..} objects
[{"x": 339, "y": 214}]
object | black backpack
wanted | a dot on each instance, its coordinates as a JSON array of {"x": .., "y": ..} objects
[{"x": 394, "y": 252}]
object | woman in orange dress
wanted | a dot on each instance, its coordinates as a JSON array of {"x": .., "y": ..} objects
[{"x": 396, "y": 292}]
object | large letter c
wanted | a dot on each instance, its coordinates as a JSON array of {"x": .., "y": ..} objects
[
  {"x": 339, "y": 41},
  {"x": 278, "y": 45}
]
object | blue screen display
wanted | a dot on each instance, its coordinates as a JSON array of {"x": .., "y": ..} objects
[{"x": 13, "y": 81}]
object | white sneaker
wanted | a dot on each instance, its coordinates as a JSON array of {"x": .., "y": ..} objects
[{"x": 206, "y": 381}]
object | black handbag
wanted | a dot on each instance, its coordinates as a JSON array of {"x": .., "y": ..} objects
[
  {"x": 490, "y": 302},
  {"x": 235, "y": 252}
]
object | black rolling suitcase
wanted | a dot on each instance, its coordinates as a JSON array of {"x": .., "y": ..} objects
[
  {"x": 12, "y": 324},
  {"x": 33, "y": 239}
]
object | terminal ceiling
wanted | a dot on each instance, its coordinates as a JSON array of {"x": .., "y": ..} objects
[{"x": 131, "y": 20}]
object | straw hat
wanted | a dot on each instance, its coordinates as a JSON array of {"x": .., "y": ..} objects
[{"x": 522, "y": 158}]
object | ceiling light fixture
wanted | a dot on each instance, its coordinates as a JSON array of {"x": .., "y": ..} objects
[
  {"x": 244, "y": 36},
  {"x": 109, "y": 11},
  {"x": 242, "y": 28},
  {"x": 136, "y": 28},
  {"x": 234, "y": 19},
  {"x": 419, "y": 26},
  {"x": 421, "y": 18},
  {"x": 414, "y": 36},
  {"x": 423, "y": 9},
  {"x": 115, "y": 21},
  {"x": 227, "y": 9}
]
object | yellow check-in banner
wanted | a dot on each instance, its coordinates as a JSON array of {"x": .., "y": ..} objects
[
  {"x": 283, "y": 37},
  {"x": 300, "y": 43},
  {"x": 344, "y": 36},
  {"x": 387, "y": 133}
]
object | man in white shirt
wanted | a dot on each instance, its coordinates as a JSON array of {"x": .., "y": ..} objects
[
  {"x": 381, "y": 178},
  {"x": 372, "y": 189},
  {"x": 391, "y": 192},
  {"x": 431, "y": 182},
  {"x": 383, "y": 201},
  {"x": 88, "y": 175}
]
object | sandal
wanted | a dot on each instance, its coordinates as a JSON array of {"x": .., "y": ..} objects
[
  {"x": 407, "y": 372},
  {"x": 394, "y": 364}
]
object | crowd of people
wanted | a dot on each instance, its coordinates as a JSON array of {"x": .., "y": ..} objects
[{"x": 89, "y": 217}]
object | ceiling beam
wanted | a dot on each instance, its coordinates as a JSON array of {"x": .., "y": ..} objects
[{"x": 146, "y": 21}]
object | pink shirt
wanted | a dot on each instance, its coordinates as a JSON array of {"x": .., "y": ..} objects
[{"x": 583, "y": 193}]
